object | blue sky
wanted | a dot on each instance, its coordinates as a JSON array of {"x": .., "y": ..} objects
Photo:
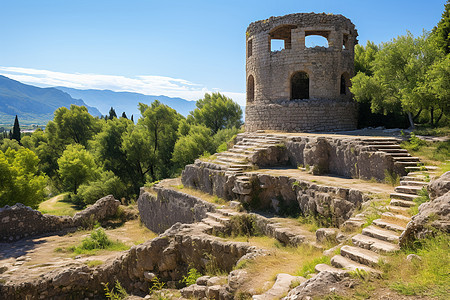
[{"x": 175, "y": 48}]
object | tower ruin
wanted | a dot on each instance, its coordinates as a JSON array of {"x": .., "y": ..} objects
[{"x": 300, "y": 88}]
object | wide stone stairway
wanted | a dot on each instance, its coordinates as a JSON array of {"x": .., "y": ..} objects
[{"x": 382, "y": 236}]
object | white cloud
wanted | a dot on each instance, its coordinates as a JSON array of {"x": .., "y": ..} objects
[{"x": 144, "y": 84}]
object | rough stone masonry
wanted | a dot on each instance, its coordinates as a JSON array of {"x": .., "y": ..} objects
[{"x": 300, "y": 88}]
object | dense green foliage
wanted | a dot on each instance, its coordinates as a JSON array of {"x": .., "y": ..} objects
[
  {"x": 20, "y": 179},
  {"x": 91, "y": 157},
  {"x": 408, "y": 75},
  {"x": 216, "y": 112}
]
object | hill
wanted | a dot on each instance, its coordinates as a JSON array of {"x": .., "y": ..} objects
[
  {"x": 126, "y": 101},
  {"x": 33, "y": 105}
]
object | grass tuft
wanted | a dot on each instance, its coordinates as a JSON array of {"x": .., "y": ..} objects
[{"x": 98, "y": 240}]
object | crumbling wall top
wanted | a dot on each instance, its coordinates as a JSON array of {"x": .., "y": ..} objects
[{"x": 304, "y": 20}]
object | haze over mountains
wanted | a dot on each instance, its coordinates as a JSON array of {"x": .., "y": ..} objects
[
  {"x": 35, "y": 105},
  {"x": 126, "y": 101}
]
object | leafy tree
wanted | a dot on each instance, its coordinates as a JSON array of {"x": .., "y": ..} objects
[
  {"x": 107, "y": 184},
  {"x": 442, "y": 30},
  {"x": 9, "y": 144},
  {"x": 76, "y": 166},
  {"x": 364, "y": 57},
  {"x": 190, "y": 146},
  {"x": 107, "y": 147},
  {"x": 16, "y": 130},
  {"x": 112, "y": 114},
  {"x": 217, "y": 111},
  {"x": 137, "y": 147},
  {"x": 161, "y": 123},
  {"x": 74, "y": 125},
  {"x": 20, "y": 179},
  {"x": 398, "y": 71}
]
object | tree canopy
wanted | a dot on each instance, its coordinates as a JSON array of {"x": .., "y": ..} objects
[{"x": 216, "y": 112}]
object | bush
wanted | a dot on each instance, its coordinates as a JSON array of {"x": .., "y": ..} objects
[
  {"x": 191, "y": 277},
  {"x": 97, "y": 240}
]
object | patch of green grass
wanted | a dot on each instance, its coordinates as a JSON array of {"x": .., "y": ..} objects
[
  {"x": 427, "y": 276},
  {"x": 98, "y": 240},
  {"x": 58, "y": 206},
  {"x": 93, "y": 263},
  {"x": 308, "y": 267},
  {"x": 423, "y": 197},
  {"x": 426, "y": 130},
  {"x": 391, "y": 178},
  {"x": 433, "y": 151}
]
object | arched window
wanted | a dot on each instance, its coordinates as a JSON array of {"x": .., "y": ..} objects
[
  {"x": 300, "y": 86},
  {"x": 343, "y": 85},
  {"x": 250, "y": 89}
]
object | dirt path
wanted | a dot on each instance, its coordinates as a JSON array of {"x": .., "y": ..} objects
[{"x": 30, "y": 258}]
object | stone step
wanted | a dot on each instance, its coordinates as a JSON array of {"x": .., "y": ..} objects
[
  {"x": 407, "y": 164},
  {"x": 395, "y": 217},
  {"x": 229, "y": 212},
  {"x": 213, "y": 223},
  {"x": 388, "y": 225},
  {"x": 387, "y": 139},
  {"x": 408, "y": 189},
  {"x": 406, "y": 158},
  {"x": 218, "y": 218},
  {"x": 402, "y": 203},
  {"x": 391, "y": 150},
  {"x": 403, "y": 196},
  {"x": 232, "y": 155},
  {"x": 374, "y": 244},
  {"x": 381, "y": 234},
  {"x": 340, "y": 261},
  {"x": 399, "y": 210},
  {"x": 420, "y": 168},
  {"x": 360, "y": 255},
  {"x": 353, "y": 223},
  {"x": 411, "y": 177},
  {"x": 413, "y": 183},
  {"x": 327, "y": 268},
  {"x": 385, "y": 146},
  {"x": 399, "y": 154}
]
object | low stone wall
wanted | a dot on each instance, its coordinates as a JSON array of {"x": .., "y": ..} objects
[
  {"x": 161, "y": 211},
  {"x": 301, "y": 116},
  {"x": 277, "y": 193},
  {"x": 20, "y": 221},
  {"x": 347, "y": 157},
  {"x": 168, "y": 256}
]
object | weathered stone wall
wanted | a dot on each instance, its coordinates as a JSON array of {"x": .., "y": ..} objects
[
  {"x": 19, "y": 221},
  {"x": 275, "y": 192},
  {"x": 161, "y": 211},
  {"x": 168, "y": 256},
  {"x": 301, "y": 116},
  {"x": 347, "y": 157},
  {"x": 269, "y": 73}
]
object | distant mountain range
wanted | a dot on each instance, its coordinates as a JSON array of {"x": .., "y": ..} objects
[
  {"x": 126, "y": 101},
  {"x": 33, "y": 105}
]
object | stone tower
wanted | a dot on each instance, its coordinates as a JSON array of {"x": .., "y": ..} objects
[{"x": 299, "y": 88}]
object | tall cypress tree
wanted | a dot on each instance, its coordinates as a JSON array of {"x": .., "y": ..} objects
[
  {"x": 16, "y": 130},
  {"x": 112, "y": 114},
  {"x": 124, "y": 115}
]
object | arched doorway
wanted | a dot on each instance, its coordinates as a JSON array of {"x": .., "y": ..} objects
[
  {"x": 250, "y": 89},
  {"x": 300, "y": 86}
]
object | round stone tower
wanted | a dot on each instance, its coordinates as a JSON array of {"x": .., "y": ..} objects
[{"x": 298, "y": 88}]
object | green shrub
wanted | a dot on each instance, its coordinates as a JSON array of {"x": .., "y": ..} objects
[
  {"x": 111, "y": 294},
  {"x": 191, "y": 277},
  {"x": 97, "y": 240}
]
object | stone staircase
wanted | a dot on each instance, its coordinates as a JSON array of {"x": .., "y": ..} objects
[
  {"x": 402, "y": 159},
  {"x": 382, "y": 236},
  {"x": 240, "y": 157}
]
